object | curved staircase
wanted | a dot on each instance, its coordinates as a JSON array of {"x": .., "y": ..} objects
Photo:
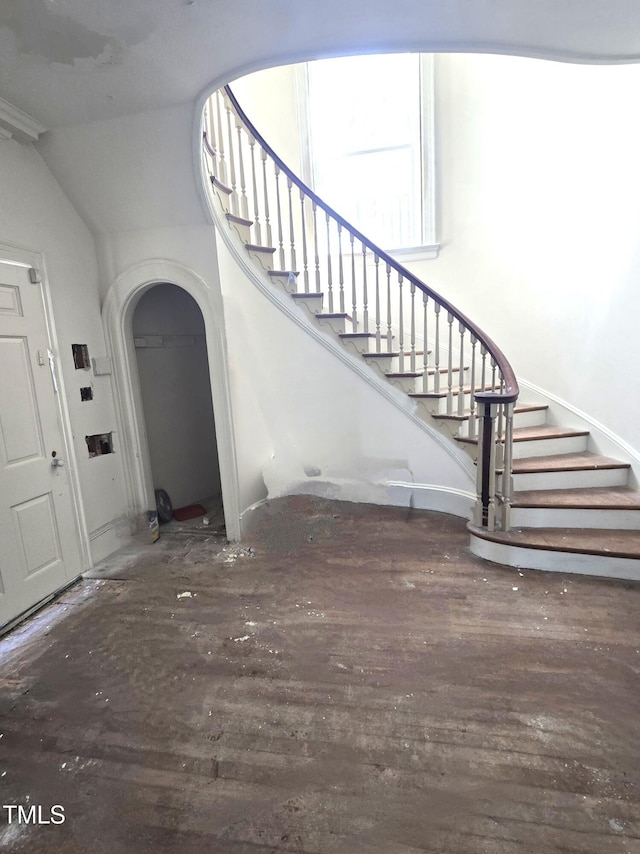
[{"x": 545, "y": 498}]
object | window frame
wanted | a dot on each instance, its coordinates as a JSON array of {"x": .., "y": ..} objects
[{"x": 429, "y": 247}]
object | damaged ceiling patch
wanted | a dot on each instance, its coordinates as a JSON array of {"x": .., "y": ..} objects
[{"x": 40, "y": 30}]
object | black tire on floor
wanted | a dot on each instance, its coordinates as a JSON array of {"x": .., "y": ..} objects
[{"x": 163, "y": 506}]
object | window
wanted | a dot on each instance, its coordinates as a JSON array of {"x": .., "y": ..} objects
[{"x": 369, "y": 126}]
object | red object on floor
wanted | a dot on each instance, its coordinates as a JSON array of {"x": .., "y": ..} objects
[{"x": 190, "y": 512}]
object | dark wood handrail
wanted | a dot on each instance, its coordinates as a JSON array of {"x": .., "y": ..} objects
[{"x": 511, "y": 388}]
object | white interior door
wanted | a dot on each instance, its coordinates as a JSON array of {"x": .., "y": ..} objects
[{"x": 39, "y": 547}]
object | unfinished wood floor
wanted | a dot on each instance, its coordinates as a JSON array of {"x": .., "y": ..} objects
[{"x": 356, "y": 683}]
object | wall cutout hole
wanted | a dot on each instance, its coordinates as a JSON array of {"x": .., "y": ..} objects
[
  {"x": 80, "y": 356},
  {"x": 86, "y": 393},
  {"x": 100, "y": 444}
]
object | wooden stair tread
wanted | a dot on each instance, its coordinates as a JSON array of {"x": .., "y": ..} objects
[
  {"x": 545, "y": 431},
  {"x": 310, "y": 294},
  {"x": 437, "y": 395},
  {"x": 566, "y": 462},
  {"x": 590, "y": 541},
  {"x": 532, "y": 434},
  {"x": 593, "y": 498},
  {"x": 467, "y": 412},
  {"x": 357, "y": 335},
  {"x": 222, "y": 187},
  {"x": 252, "y": 247},
  {"x": 284, "y": 274},
  {"x": 239, "y": 219},
  {"x": 392, "y": 355},
  {"x": 340, "y": 315}
]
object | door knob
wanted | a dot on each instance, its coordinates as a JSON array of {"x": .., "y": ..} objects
[{"x": 56, "y": 462}]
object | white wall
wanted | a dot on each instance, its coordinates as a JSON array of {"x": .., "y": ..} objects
[
  {"x": 539, "y": 188},
  {"x": 176, "y": 395},
  {"x": 35, "y": 214},
  {"x": 270, "y": 99}
]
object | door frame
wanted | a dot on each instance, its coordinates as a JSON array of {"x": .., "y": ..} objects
[
  {"x": 32, "y": 259},
  {"x": 117, "y": 312}
]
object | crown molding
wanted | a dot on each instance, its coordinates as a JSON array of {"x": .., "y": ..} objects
[{"x": 17, "y": 124}]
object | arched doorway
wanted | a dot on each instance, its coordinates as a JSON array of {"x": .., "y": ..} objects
[
  {"x": 118, "y": 311},
  {"x": 171, "y": 353}
]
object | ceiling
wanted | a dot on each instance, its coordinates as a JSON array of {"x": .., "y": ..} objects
[{"x": 67, "y": 62}]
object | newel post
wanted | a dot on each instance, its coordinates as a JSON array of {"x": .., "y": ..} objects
[{"x": 485, "y": 509}]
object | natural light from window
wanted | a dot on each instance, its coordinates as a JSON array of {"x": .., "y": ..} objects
[{"x": 365, "y": 130}]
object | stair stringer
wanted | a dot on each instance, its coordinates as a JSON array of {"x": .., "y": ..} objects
[{"x": 423, "y": 495}]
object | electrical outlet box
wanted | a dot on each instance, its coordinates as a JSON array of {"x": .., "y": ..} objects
[{"x": 99, "y": 444}]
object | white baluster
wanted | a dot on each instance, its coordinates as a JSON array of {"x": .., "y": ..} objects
[
  {"x": 316, "y": 251},
  {"x": 436, "y": 348},
  {"x": 472, "y": 404},
  {"x": 232, "y": 165},
  {"x": 340, "y": 269},
  {"x": 210, "y": 130},
  {"x": 425, "y": 355},
  {"x": 365, "y": 296},
  {"x": 244, "y": 204},
  {"x": 279, "y": 218},
  {"x": 269, "y": 236},
  {"x": 292, "y": 237},
  {"x": 450, "y": 366},
  {"x": 500, "y": 437},
  {"x": 400, "y": 324},
  {"x": 378, "y": 333},
  {"x": 329, "y": 272},
  {"x": 354, "y": 292},
  {"x": 507, "y": 477},
  {"x": 461, "y": 369},
  {"x": 256, "y": 203},
  {"x": 222, "y": 163},
  {"x": 412, "y": 359},
  {"x": 304, "y": 244},
  {"x": 389, "y": 314}
]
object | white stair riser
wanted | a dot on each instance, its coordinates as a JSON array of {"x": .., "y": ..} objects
[
  {"x": 332, "y": 324},
  {"x": 263, "y": 260},
  {"x": 382, "y": 366},
  {"x": 357, "y": 345},
  {"x": 549, "y": 447},
  {"x": 311, "y": 304},
  {"x": 570, "y": 479},
  {"x": 534, "y": 418},
  {"x": 285, "y": 283},
  {"x": 406, "y": 384},
  {"x": 242, "y": 230},
  {"x": 553, "y": 561},
  {"x": 223, "y": 198},
  {"x": 573, "y": 517},
  {"x": 438, "y": 405}
]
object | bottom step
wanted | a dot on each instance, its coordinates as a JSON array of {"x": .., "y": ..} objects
[{"x": 605, "y": 553}]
